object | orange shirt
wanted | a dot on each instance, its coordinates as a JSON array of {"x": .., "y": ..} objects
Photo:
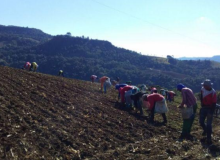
[{"x": 103, "y": 79}]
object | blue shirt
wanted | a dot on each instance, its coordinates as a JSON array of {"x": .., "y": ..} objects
[{"x": 118, "y": 86}]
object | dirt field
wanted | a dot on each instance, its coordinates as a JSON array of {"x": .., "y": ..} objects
[{"x": 48, "y": 117}]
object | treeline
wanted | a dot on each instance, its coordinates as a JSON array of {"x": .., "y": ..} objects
[{"x": 80, "y": 58}]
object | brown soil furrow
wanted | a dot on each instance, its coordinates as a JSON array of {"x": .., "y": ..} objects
[{"x": 49, "y": 117}]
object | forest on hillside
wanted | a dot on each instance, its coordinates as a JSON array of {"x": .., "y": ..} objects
[{"x": 81, "y": 57}]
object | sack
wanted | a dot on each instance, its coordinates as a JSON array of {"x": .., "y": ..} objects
[
  {"x": 161, "y": 107},
  {"x": 187, "y": 112}
]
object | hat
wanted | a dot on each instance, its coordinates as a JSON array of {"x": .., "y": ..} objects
[
  {"x": 180, "y": 86},
  {"x": 207, "y": 82}
]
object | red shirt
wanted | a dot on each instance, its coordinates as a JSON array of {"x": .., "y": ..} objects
[
  {"x": 209, "y": 98},
  {"x": 153, "y": 98},
  {"x": 124, "y": 89},
  {"x": 122, "y": 92}
]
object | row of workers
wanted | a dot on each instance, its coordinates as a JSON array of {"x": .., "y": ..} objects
[
  {"x": 106, "y": 82},
  {"x": 189, "y": 105},
  {"x": 139, "y": 97},
  {"x": 34, "y": 66},
  {"x": 30, "y": 66}
]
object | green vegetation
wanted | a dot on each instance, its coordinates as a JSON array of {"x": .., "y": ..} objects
[{"x": 81, "y": 57}]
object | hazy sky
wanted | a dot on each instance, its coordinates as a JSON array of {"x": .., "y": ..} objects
[{"x": 153, "y": 27}]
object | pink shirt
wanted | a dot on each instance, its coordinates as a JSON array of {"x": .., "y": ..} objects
[{"x": 188, "y": 97}]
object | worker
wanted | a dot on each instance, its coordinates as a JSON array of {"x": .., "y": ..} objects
[
  {"x": 34, "y": 66},
  {"x": 122, "y": 92},
  {"x": 128, "y": 100},
  {"x": 118, "y": 86},
  {"x": 143, "y": 88},
  {"x": 27, "y": 66},
  {"x": 61, "y": 73},
  {"x": 152, "y": 99},
  {"x": 208, "y": 103},
  {"x": 102, "y": 81},
  {"x": 189, "y": 100},
  {"x": 93, "y": 78},
  {"x": 128, "y": 94},
  {"x": 171, "y": 95},
  {"x": 153, "y": 90},
  {"x": 162, "y": 92},
  {"x": 135, "y": 89},
  {"x": 137, "y": 99}
]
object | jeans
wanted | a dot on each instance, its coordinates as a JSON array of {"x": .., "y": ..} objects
[
  {"x": 105, "y": 88},
  {"x": 208, "y": 113}
]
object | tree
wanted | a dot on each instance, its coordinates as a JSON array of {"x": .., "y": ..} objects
[
  {"x": 68, "y": 34},
  {"x": 171, "y": 60}
]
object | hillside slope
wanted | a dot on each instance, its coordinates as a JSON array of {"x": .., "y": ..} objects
[{"x": 48, "y": 117}]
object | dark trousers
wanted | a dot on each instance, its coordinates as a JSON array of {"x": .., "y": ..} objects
[
  {"x": 208, "y": 113},
  {"x": 105, "y": 88},
  {"x": 137, "y": 105},
  {"x": 187, "y": 125},
  {"x": 119, "y": 95},
  {"x": 152, "y": 115},
  {"x": 140, "y": 107}
]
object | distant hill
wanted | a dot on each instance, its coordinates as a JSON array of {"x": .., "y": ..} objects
[
  {"x": 14, "y": 38},
  {"x": 214, "y": 58},
  {"x": 81, "y": 57},
  {"x": 23, "y": 32}
]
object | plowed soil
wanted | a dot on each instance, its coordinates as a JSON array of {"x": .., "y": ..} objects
[{"x": 48, "y": 117}]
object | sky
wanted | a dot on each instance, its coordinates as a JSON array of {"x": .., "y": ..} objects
[{"x": 182, "y": 28}]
